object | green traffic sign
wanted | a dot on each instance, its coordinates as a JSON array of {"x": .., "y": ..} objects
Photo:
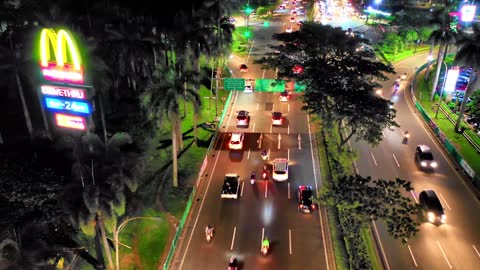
[
  {"x": 237, "y": 84},
  {"x": 269, "y": 85}
]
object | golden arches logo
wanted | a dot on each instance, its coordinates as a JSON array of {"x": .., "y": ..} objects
[{"x": 65, "y": 65}]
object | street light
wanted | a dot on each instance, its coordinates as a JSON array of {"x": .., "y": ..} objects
[
  {"x": 377, "y": 2},
  {"x": 117, "y": 231}
]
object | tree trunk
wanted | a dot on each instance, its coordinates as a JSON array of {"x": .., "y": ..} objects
[
  {"x": 470, "y": 87},
  {"x": 195, "y": 130},
  {"x": 437, "y": 74},
  {"x": 174, "y": 155},
  {"x": 98, "y": 247},
  {"x": 429, "y": 62},
  {"x": 104, "y": 241},
  {"x": 102, "y": 116},
  {"x": 28, "y": 120}
]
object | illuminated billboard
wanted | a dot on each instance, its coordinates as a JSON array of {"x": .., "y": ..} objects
[
  {"x": 64, "y": 65},
  {"x": 70, "y": 121},
  {"x": 67, "y": 105},
  {"x": 60, "y": 91},
  {"x": 452, "y": 77},
  {"x": 468, "y": 13}
]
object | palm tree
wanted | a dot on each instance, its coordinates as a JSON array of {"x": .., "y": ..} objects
[
  {"x": 468, "y": 55},
  {"x": 161, "y": 101},
  {"x": 444, "y": 36},
  {"x": 10, "y": 65},
  {"x": 103, "y": 171}
]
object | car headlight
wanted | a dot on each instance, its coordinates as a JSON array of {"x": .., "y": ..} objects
[
  {"x": 443, "y": 219},
  {"x": 434, "y": 164},
  {"x": 423, "y": 164},
  {"x": 431, "y": 217}
]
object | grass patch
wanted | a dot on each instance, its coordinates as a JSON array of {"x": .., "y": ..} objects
[
  {"x": 389, "y": 57},
  {"x": 366, "y": 234},
  {"x": 147, "y": 238},
  {"x": 339, "y": 249},
  {"x": 466, "y": 150}
]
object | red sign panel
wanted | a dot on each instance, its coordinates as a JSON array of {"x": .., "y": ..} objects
[
  {"x": 71, "y": 121},
  {"x": 62, "y": 74},
  {"x": 60, "y": 91}
]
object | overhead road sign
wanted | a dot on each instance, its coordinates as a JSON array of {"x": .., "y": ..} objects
[
  {"x": 269, "y": 85},
  {"x": 233, "y": 84}
]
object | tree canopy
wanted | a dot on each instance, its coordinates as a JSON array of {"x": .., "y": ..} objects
[
  {"x": 340, "y": 80},
  {"x": 373, "y": 199}
]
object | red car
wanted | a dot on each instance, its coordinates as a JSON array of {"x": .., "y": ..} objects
[{"x": 243, "y": 68}]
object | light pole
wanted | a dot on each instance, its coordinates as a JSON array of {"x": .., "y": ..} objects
[
  {"x": 117, "y": 232},
  {"x": 441, "y": 90}
]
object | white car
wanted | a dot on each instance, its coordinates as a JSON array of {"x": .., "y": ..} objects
[
  {"x": 288, "y": 29},
  {"x": 236, "y": 141},
  {"x": 248, "y": 88},
  {"x": 280, "y": 169}
]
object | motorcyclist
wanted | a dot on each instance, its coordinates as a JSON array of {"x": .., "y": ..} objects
[
  {"x": 406, "y": 135},
  {"x": 266, "y": 243},
  {"x": 404, "y": 76},
  {"x": 232, "y": 264},
  {"x": 264, "y": 154},
  {"x": 209, "y": 230},
  {"x": 252, "y": 177},
  {"x": 265, "y": 172}
]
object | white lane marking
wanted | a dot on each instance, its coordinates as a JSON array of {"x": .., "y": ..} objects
[
  {"x": 478, "y": 253},
  {"x": 413, "y": 257},
  {"x": 356, "y": 167},
  {"x": 253, "y": 129},
  {"x": 248, "y": 155},
  {"x": 375, "y": 161},
  {"x": 270, "y": 129},
  {"x": 288, "y": 105},
  {"x": 258, "y": 104},
  {"x": 241, "y": 192},
  {"x": 263, "y": 235},
  {"x": 413, "y": 195},
  {"x": 200, "y": 209},
  {"x": 268, "y": 156},
  {"x": 381, "y": 245},
  {"x": 288, "y": 154},
  {"x": 249, "y": 51},
  {"x": 290, "y": 241},
  {"x": 266, "y": 189},
  {"x": 233, "y": 237},
  {"x": 288, "y": 190},
  {"x": 396, "y": 161},
  {"x": 383, "y": 134},
  {"x": 448, "y": 206},
  {"x": 263, "y": 74},
  {"x": 445, "y": 256},
  {"x": 349, "y": 144},
  {"x": 288, "y": 129}
]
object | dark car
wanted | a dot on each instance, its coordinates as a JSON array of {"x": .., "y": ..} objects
[
  {"x": 243, "y": 118},
  {"x": 305, "y": 195},
  {"x": 474, "y": 121},
  {"x": 231, "y": 184},
  {"x": 243, "y": 68},
  {"x": 277, "y": 119},
  {"x": 424, "y": 157},
  {"x": 432, "y": 207}
]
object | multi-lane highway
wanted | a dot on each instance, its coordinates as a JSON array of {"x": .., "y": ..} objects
[{"x": 266, "y": 208}]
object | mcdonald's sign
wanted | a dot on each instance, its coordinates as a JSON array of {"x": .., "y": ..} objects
[{"x": 60, "y": 59}]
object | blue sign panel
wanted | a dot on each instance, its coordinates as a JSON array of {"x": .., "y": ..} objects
[{"x": 67, "y": 105}]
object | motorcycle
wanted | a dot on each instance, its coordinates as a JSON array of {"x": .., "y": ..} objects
[
  {"x": 264, "y": 250},
  {"x": 209, "y": 234},
  {"x": 233, "y": 264},
  {"x": 405, "y": 137},
  {"x": 252, "y": 178},
  {"x": 264, "y": 175},
  {"x": 404, "y": 76},
  {"x": 264, "y": 155}
]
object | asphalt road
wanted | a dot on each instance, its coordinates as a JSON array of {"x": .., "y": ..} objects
[
  {"x": 266, "y": 208},
  {"x": 454, "y": 245}
]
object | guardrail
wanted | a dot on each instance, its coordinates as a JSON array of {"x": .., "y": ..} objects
[{"x": 179, "y": 230}]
